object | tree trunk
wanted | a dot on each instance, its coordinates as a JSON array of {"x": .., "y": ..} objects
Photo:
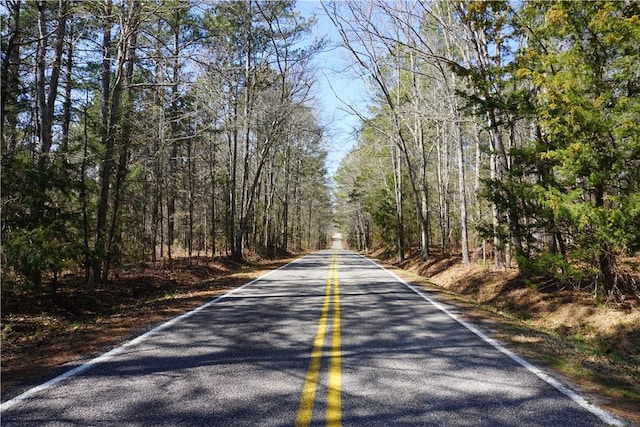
[
  {"x": 496, "y": 218},
  {"x": 125, "y": 66},
  {"x": 212, "y": 178},
  {"x": 463, "y": 199},
  {"x": 239, "y": 237},
  {"x": 10, "y": 80},
  {"x": 442, "y": 168},
  {"x": 66, "y": 106},
  {"x": 106, "y": 168},
  {"x": 45, "y": 107},
  {"x": 397, "y": 185},
  {"x": 83, "y": 196},
  {"x": 173, "y": 123},
  {"x": 191, "y": 168},
  {"x": 606, "y": 257},
  {"x": 285, "y": 202}
]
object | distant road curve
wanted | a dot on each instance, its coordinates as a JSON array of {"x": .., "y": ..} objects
[{"x": 330, "y": 339}]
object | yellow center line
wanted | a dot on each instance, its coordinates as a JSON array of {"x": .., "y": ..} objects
[
  {"x": 305, "y": 410},
  {"x": 334, "y": 404}
]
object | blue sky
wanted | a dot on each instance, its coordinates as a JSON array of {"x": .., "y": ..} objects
[{"x": 335, "y": 87}]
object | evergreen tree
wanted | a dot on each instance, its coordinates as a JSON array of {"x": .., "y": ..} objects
[{"x": 581, "y": 63}]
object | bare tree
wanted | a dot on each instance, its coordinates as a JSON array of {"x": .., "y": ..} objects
[
  {"x": 368, "y": 45},
  {"x": 111, "y": 119}
]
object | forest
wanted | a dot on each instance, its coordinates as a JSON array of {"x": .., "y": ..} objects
[
  {"x": 497, "y": 132},
  {"x": 144, "y": 131}
]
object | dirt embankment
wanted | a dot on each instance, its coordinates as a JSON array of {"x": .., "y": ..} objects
[{"x": 596, "y": 345}]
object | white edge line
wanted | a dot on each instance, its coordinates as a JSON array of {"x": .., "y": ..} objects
[
  {"x": 114, "y": 352},
  {"x": 595, "y": 410}
]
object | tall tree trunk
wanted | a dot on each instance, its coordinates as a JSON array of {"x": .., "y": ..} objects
[
  {"x": 233, "y": 188},
  {"x": 46, "y": 99},
  {"x": 476, "y": 185},
  {"x": 191, "y": 168},
  {"x": 83, "y": 195},
  {"x": 285, "y": 202},
  {"x": 462, "y": 192},
  {"x": 269, "y": 195},
  {"x": 171, "y": 197},
  {"x": 496, "y": 215},
  {"x": 397, "y": 186},
  {"x": 243, "y": 208},
  {"x": 45, "y": 107},
  {"x": 156, "y": 215},
  {"x": 127, "y": 65},
  {"x": 213, "y": 178},
  {"x": 66, "y": 106},
  {"x": 10, "y": 80},
  {"x": 297, "y": 205},
  {"x": 106, "y": 167},
  {"x": 442, "y": 168},
  {"x": 173, "y": 120}
]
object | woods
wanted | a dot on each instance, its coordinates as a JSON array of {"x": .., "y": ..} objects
[
  {"x": 513, "y": 128},
  {"x": 138, "y": 131}
]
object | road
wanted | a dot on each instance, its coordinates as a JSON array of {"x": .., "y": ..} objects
[{"x": 331, "y": 339}]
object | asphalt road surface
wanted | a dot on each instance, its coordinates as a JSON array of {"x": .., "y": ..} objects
[{"x": 331, "y": 339}]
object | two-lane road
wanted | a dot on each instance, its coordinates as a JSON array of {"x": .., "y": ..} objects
[{"x": 331, "y": 339}]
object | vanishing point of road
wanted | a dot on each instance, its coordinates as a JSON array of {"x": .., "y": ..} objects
[{"x": 330, "y": 339}]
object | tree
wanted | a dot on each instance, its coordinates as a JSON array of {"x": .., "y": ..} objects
[
  {"x": 367, "y": 185},
  {"x": 366, "y": 41},
  {"x": 259, "y": 39},
  {"x": 155, "y": 125},
  {"x": 585, "y": 100},
  {"x": 37, "y": 228},
  {"x": 112, "y": 120}
]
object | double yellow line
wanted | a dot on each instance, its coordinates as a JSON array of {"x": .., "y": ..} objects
[{"x": 334, "y": 382}]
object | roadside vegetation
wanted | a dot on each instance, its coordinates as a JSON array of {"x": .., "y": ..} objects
[
  {"x": 499, "y": 158},
  {"x": 133, "y": 132},
  {"x": 593, "y": 343},
  {"x": 505, "y": 132}
]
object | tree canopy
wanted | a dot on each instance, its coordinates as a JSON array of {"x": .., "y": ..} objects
[
  {"x": 141, "y": 131},
  {"x": 151, "y": 129},
  {"x": 532, "y": 106}
]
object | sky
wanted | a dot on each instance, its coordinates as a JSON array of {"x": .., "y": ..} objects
[{"x": 335, "y": 88}]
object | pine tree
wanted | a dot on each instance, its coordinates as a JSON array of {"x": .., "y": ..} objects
[{"x": 581, "y": 63}]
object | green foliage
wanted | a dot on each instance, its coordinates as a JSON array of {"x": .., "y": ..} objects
[
  {"x": 366, "y": 190},
  {"x": 585, "y": 104},
  {"x": 41, "y": 250},
  {"x": 39, "y": 229},
  {"x": 576, "y": 81},
  {"x": 380, "y": 204},
  {"x": 553, "y": 266},
  {"x": 136, "y": 130}
]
